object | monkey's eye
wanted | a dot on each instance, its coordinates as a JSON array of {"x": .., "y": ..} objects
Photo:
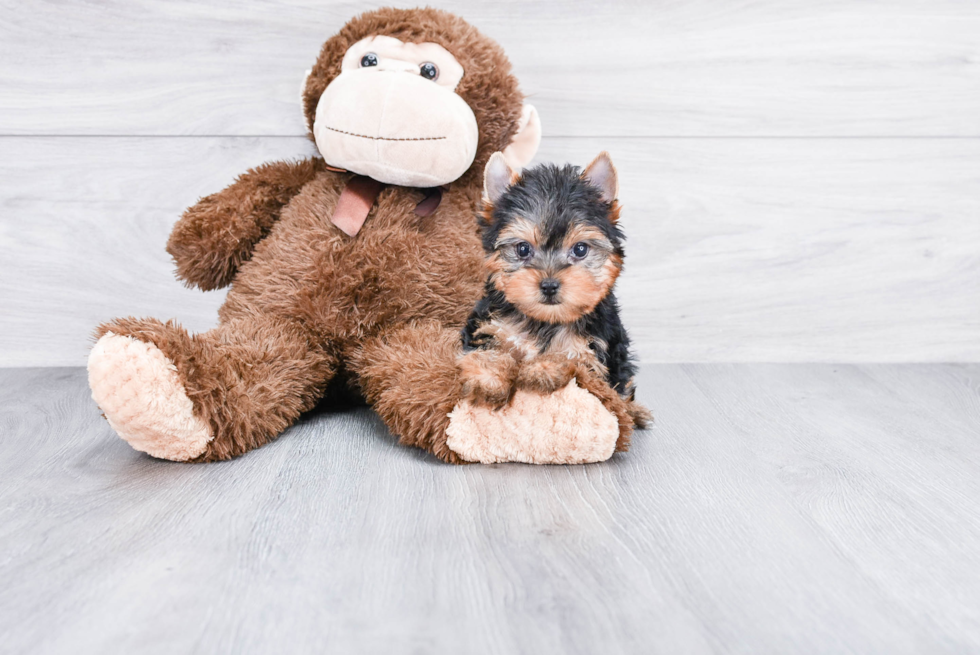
[
  {"x": 429, "y": 71},
  {"x": 580, "y": 250},
  {"x": 523, "y": 249},
  {"x": 370, "y": 59}
]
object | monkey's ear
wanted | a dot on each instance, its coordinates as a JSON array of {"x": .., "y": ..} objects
[
  {"x": 602, "y": 174},
  {"x": 525, "y": 143},
  {"x": 302, "y": 87},
  {"x": 497, "y": 176}
]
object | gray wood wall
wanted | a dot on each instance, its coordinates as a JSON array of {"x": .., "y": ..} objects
[{"x": 801, "y": 179}]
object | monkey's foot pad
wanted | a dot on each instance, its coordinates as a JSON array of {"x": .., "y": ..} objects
[
  {"x": 569, "y": 426},
  {"x": 140, "y": 392}
]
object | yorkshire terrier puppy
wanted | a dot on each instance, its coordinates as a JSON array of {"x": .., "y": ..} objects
[{"x": 554, "y": 251}]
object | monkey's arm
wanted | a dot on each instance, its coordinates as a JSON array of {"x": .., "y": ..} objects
[{"x": 216, "y": 235}]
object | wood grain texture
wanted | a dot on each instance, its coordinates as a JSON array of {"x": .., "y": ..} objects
[
  {"x": 771, "y": 509},
  {"x": 738, "y": 250},
  {"x": 712, "y": 68}
]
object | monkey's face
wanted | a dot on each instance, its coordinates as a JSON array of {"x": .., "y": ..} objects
[{"x": 393, "y": 114}]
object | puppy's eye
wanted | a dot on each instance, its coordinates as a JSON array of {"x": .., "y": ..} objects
[
  {"x": 429, "y": 71},
  {"x": 580, "y": 249},
  {"x": 370, "y": 59},
  {"x": 523, "y": 249}
]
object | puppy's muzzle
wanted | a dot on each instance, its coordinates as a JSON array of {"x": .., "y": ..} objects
[{"x": 549, "y": 289}]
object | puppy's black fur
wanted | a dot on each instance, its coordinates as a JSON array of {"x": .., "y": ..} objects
[{"x": 556, "y": 200}]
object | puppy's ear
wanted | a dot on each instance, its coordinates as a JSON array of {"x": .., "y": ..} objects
[
  {"x": 602, "y": 174},
  {"x": 497, "y": 176}
]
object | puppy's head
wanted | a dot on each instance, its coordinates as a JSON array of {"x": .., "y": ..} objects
[{"x": 554, "y": 248}]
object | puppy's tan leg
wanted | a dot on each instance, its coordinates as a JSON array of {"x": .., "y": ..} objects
[
  {"x": 545, "y": 373},
  {"x": 488, "y": 377}
]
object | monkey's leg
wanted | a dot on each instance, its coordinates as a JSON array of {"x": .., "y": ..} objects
[
  {"x": 210, "y": 396},
  {"x": 409, "y": 376}
]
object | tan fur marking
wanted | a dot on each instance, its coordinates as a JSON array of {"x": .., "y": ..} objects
[
  {"x": 510, "y": 336},
  {"x": 494, "y": 264},
  {"x": 572, "y": 345},
  {"x": 488, "y": 377},
  {"x": 523, "y": 289},
  {"x": 580, "y": 290},
  {"x": 614, "y": 211},
  {"x": 579, "y": 294},
  {"x": 486, "y": 212},
  {"x": 545, "y": 373},
  {"x": 609, "y": 272},
  {"x": 581, "y": 232},
  {"x": 520, "y": 229}
]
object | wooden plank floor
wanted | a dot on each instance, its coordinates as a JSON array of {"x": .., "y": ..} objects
[{"x": 772, "y": 509}]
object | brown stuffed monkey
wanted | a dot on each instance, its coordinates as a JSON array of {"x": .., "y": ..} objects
[{"x": 354, "y": 270}]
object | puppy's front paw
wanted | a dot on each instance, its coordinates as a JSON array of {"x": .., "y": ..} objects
[
  {"x": 545, "y": 374},
  {"x": 488, "y": 377}
]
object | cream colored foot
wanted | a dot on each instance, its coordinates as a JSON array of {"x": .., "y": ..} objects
[
  {"x": 140, "y": 393},
  {"x": 569, "y": 426}
]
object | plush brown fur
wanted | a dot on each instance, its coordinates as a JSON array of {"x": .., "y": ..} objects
[
  {"x": 307, "y": 301},
  {"x": 209, "y": 258},
  {"x": 249, "y": 379}
]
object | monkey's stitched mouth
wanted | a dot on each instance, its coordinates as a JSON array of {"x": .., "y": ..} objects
[{"x": 384, "y": 138}]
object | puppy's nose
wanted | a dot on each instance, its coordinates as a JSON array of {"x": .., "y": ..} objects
[{"x": 550, "y": 286}]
